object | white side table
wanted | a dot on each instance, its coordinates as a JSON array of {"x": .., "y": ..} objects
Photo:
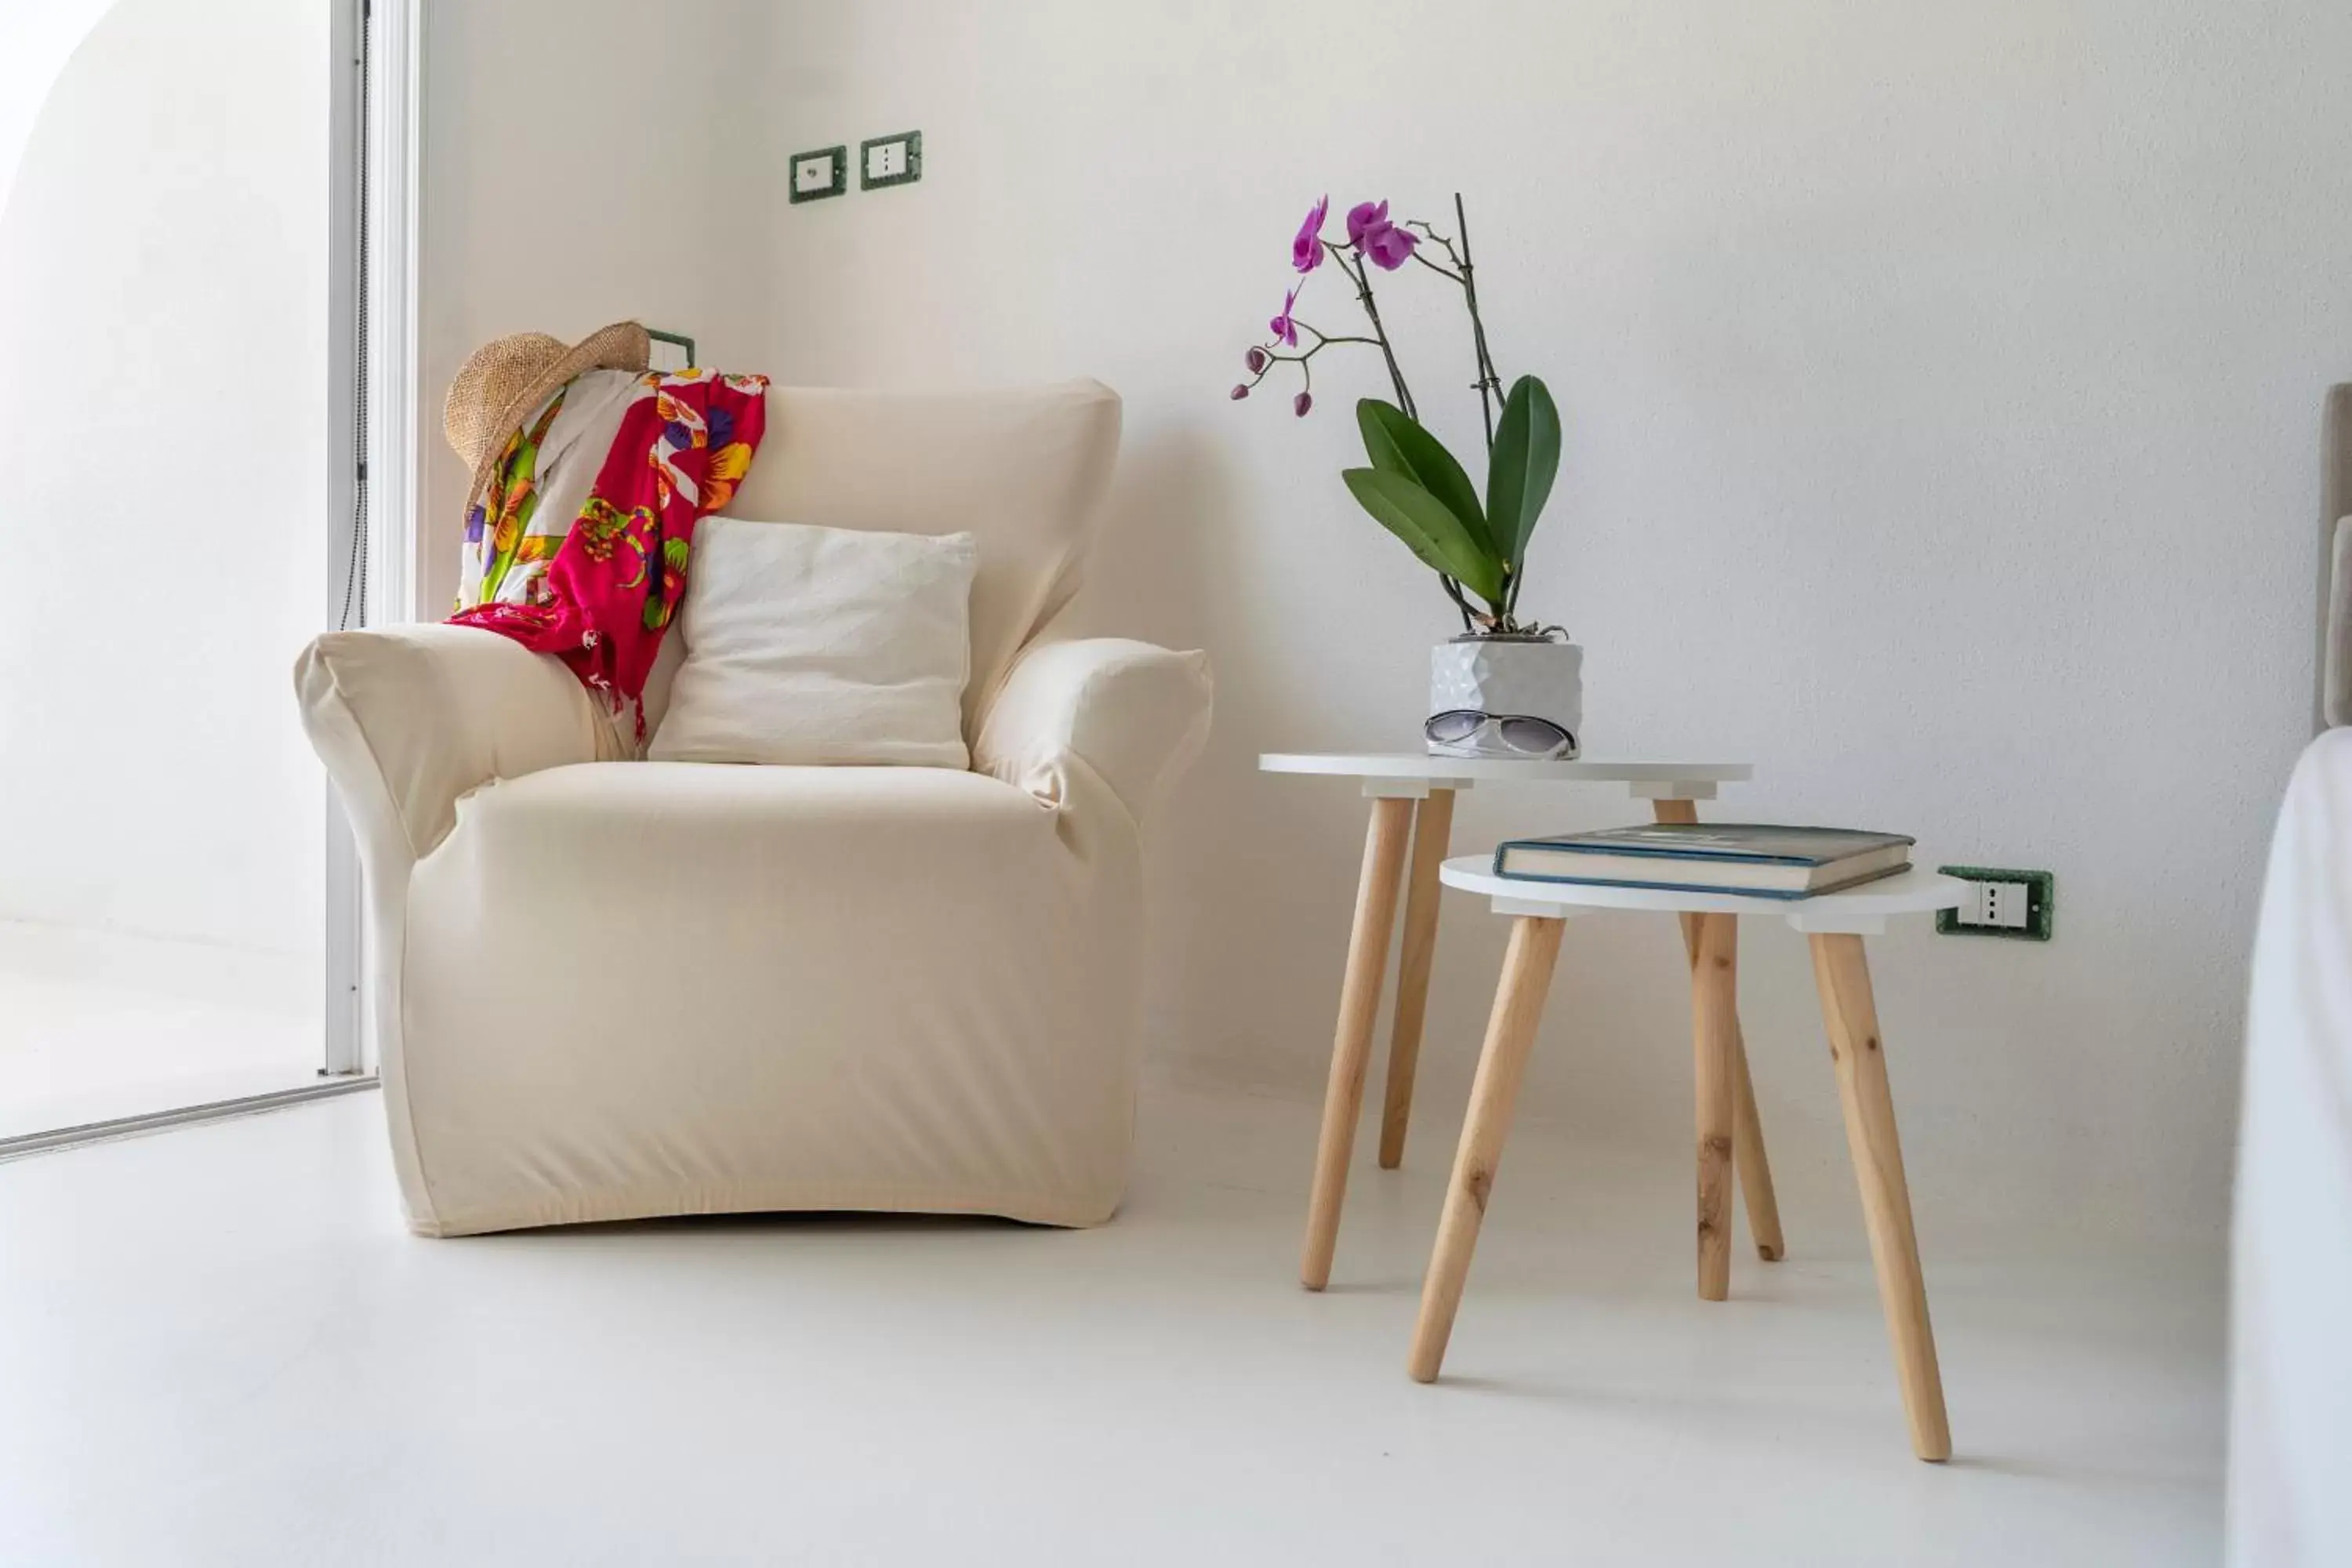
[
  {"x": 1836, "y": 923},
  {"x": 1394, "y": 781}
]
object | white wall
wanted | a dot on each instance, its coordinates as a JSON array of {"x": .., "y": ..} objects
[
  {"x": 163, "y": 399},
  {"x": 36, "y": 39},
  {"x": 1940, "y": 388}
]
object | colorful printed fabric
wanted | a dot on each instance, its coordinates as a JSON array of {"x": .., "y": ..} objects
[
  {"x": 600, "y": 594},
  {"x": 538, "y": 485},
  {"x": 496, "y": 524}
]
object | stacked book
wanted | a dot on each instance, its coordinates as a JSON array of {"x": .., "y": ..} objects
[{"x": 1750, "y": 859}]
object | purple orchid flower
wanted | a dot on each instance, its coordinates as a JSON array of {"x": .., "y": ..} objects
[
  {"x": 1369, "y": 231},
  {"x": 1390, "y": 248},
  {"x": 1284, "y": 329},
  {"x": 1307, "y": 250}
]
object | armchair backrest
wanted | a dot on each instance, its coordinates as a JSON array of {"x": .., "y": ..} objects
[{"x": 1023, "y": 470}]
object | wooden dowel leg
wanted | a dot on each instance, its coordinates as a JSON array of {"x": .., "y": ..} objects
[
  {"x": 1754, "y": 1170},
  {"x": 1502, "y": 1062},
  {"x": 1748, "y": 1157},
  {"x": 1433, "y": 831},
  {"x": 1851, "y": 1012},
  {"x": 1360, "y": 1003},
  {"x": 1715, "y": 1024}
]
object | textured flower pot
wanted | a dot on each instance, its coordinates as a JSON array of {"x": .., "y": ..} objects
[{"x": 1505, "y": 697}]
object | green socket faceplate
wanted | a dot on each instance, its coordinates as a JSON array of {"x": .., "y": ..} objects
[
  {"x": 837, "y": 156},
  {"x": 2041, "y": 903},
  {"x": 914, "y": 170}
]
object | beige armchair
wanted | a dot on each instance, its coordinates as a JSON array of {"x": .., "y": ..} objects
[{"x": 602, "y": 988}]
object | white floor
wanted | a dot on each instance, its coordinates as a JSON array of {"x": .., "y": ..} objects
[
  {"x": 95, "y": 1026},
  {"x": 218, "y": 1346}
]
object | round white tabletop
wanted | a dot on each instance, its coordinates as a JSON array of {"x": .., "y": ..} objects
[
  {"x": 1416, "y": 772},
  {"x": 1862, "y": 910}
]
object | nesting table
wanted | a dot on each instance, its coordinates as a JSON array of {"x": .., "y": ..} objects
[
  {"x": 1412, "y": 799},
  {"x": 1834, "y": 925},
  {"x": 1406, "y": 842}
]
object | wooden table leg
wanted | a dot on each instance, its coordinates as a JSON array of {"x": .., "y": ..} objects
[
  {"x": 1359, "y": 1003},
  {"x": 1510, "y": 1033},
  {"x": 1714, "y": 1028},
  {"x": 1851, "y": 1014},
  {"x": 1433, "y": 830},
  {"x": 1748, "y": 1127},
  {"x": 1748, "y": 1154}
]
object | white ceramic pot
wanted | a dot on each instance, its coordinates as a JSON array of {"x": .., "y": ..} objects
[{"x": 1503, "y": 679}]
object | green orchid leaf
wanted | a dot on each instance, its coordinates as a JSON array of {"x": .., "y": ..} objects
[
  {"x": 1397, "y": 444},
  {"x": 1428, "y": 528},
  {"x": 1520, "y": 471}
]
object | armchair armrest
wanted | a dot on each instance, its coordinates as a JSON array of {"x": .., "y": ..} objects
[
  {"x": 408, "y": 718},
  {"x": 1134, "y": 714}
]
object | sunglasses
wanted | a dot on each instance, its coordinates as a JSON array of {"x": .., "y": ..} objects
[{"x": 1467, "y": 732}]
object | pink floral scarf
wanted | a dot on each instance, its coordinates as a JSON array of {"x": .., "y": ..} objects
[{"x": 600, "y": 596}]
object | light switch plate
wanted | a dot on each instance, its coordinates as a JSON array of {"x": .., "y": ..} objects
[
  {"x": 890, "y": 159},
  {"x": 818, "y": 174}
]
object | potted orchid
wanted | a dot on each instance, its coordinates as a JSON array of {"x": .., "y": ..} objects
[{"x": 1505, "y": 687}]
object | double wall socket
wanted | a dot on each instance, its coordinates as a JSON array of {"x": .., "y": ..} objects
[{"x": 893, "y": 159}]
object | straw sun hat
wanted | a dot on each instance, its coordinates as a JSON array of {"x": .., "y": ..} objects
[{"x": 508, "y": 377}]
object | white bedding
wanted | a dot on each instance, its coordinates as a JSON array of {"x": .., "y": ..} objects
[{"x": 2290, "y": 1488}]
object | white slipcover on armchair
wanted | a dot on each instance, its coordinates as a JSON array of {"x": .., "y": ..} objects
[{"x": 603, "y": 989}]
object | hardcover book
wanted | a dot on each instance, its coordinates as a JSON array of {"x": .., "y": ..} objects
[{"x": 1755, "y": 860}]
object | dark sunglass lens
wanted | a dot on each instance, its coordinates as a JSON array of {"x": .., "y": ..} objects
[
  {"x": 1455, "y": 724},
  {"x": 1533, "y": 734}
]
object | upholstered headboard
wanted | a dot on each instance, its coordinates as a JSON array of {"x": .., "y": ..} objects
[{"x": 2335, "y": 685}]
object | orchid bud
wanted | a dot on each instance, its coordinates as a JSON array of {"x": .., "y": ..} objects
[
  {"x": 1302, "y": 402},
  {"x": 1256, "y": 360},
  {"x": 1240, "y": 392}
]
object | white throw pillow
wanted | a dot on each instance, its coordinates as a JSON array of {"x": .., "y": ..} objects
[{"x": 821, "y": 644}]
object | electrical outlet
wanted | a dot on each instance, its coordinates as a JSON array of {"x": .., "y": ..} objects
[
  {"x": 818, "y": 174},
  {"x": 2000, "y": 903},
  {"x": 890, "y": 159}
]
